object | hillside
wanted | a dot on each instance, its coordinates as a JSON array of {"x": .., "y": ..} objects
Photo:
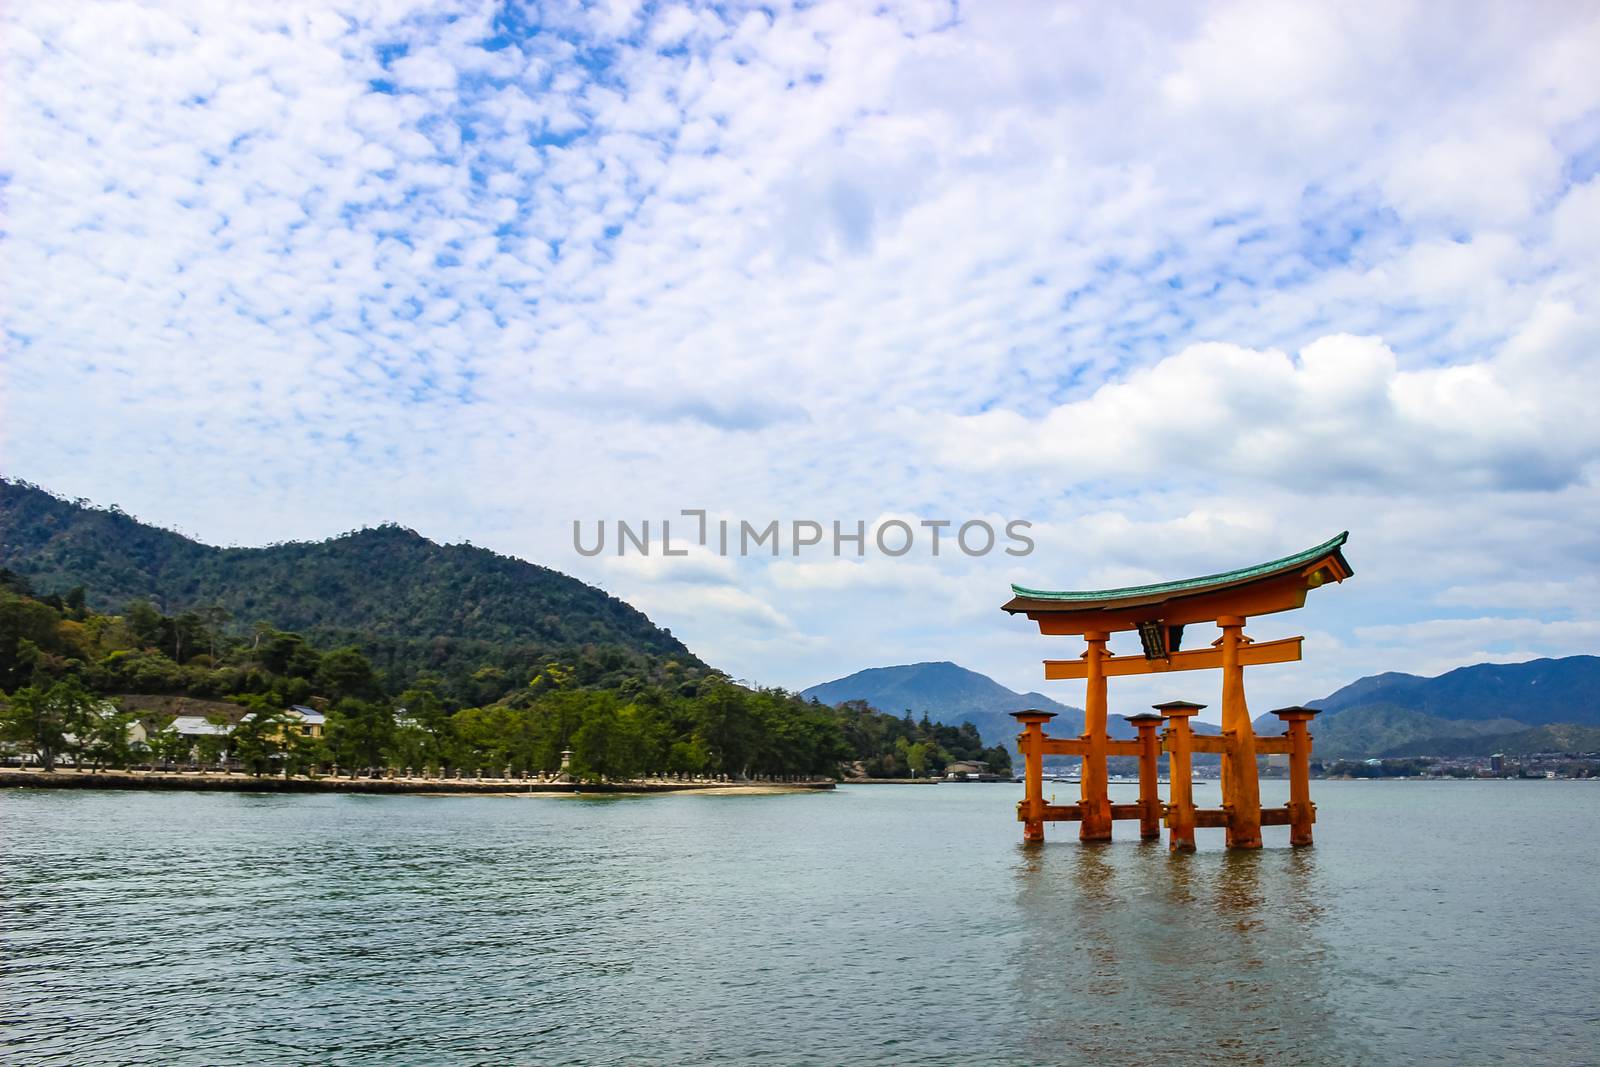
[
  {"x": 950, "y": 694},
  {"x": 1537, "y": 692},
  {"x": 1369, "y": 730},
  {"x": 1476, "y": 710},
  {"x": 1564, "y": 739},
  {"x": 376, "y": 584}
]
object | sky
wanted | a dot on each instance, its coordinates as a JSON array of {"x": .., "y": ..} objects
[{"x": 1184, "y": 286}]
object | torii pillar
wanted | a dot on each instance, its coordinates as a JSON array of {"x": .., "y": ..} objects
[
  {"x": 1031, "y": 744},
  {"x": 1179, "y": 743},
  {"x": 1302, "y": 813},
  {"x": 1149, "y": 771},
  {"x": 1095, "y": 796},
  {"x": 1241, "y": 788}
]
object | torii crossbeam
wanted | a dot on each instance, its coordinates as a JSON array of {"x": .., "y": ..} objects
[{"x": 1159, "y": 613}]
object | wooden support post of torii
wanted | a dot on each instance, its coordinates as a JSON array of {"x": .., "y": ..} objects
[
  {"x": 1031, "y": 744},
  {"x": 1094, "y": 788},
  {"x": 1159, "y": 614},
  {"x": 1149, "y": 774},
  {"x": 1241, "y": 790},
  {"x": 1302, "y": 813},
  {"x": 1180, "y": 773}
]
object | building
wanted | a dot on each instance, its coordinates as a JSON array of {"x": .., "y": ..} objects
[
  {"x": 194, "y": 727},
  {"x": 312, "y": 722},
  {"x": 970, "y": 771}
]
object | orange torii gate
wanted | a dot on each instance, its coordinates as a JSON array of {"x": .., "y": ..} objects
[{"x": 1159, "y": 614}]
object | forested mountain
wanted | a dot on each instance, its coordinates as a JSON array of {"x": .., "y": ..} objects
[
  {"x": 422, "y": 655},
  {"x": 409, "y": 603},
  {"x": 1537, "y": 692},
  {"x": 1476, "y": 710},
  {"x": 951, "y": 694},
  {"x": 74, "y": 681}
]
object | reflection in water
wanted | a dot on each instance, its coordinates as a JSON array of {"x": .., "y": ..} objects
[{"x": 1217, "y": 955}]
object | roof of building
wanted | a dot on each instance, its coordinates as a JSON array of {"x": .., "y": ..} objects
[
  {"x": 198, "y": 726},
  {"x": 1326, "y": 560},
  {"x": 305, "y": 714}
]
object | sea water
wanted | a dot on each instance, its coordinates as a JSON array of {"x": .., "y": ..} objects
[{"x": 1432, "y": 922}]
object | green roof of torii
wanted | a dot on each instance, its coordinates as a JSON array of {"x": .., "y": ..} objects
[{"x": 1164, "y": 589}]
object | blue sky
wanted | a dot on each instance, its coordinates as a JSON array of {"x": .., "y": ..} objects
[{"x": 1186, "y": 286}]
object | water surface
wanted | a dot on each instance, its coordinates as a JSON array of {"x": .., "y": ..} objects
[{"x": 1432, "y": 922}]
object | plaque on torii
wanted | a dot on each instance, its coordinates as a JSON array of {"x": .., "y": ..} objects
[{"x": 1159, "y": 614}]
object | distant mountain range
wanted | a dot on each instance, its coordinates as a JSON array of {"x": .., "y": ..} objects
[
  {"x": 388, "y": 583},
  {"x": 1477, "y": 710},
  {"x": 1542, "y": 691},
  {"x": 951, "y": 694},
  {"x": 1542, "y": 705}
]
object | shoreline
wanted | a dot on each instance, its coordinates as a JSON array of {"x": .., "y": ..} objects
[{"x": 205, "y": 782}]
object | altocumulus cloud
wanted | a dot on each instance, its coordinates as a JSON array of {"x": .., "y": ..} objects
[{"x": 1184, "y": 287}]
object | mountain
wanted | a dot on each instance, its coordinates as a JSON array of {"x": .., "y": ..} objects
[
  {"x": 1537, "y": 692},
  {"x": 1369, "y": 730},
  {"x": 387, "y": 585},
  {"x": 1559, "y": 737},
  {"x": 1476, "y": 710},
  {"x": 950, "y": 694}
]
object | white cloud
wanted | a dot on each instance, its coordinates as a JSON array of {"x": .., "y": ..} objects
[{"x": 1342, "y": 412}]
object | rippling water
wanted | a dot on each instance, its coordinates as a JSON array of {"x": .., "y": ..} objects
[{"x": 1437, "y": 922}]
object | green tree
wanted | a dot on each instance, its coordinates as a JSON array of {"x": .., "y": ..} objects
[
  {"x": 48, "y": 721},
  {"x": 27, "y": 628},
  {"x": 107, "y": 741},
  {"x": 916, "y": 756},
  {"x": 188, "y": 634},
  {"x": 303, "y": 753},
  {"x": 997, "y": 759},
  {"x": 360, "y": 733},
  {"x": 144, "y": 624},
  {"x": 210, "y": 747},
  {"x": 257, "y": 740},
  {"x": 346, "y": 673},
  {"x": 168, "y": 745},
  {"x": 727, "y": 728},
  {"x": 424, "y": 732},
  {"x": 610, "y": 743}
]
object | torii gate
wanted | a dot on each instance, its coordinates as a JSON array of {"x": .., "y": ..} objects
[{"x": 1159, "y": 613}]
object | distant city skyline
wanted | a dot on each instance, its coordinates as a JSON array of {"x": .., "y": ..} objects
[{"x": 1187, "y": 288}]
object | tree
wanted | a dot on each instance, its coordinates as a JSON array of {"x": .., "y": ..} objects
[
  {"x": 608, "y": 744},
  {"x": 257, "y": 740},
  {"x": 48, "y": 721},
  {"x": 916, "y": 756},
  {"x": 424, "y": 732},
  {"x": 359, "y": 733},
  {"x": 215, "y": 617},
  {"x": 106, "y": 736},
  {"x": 144, "y": 624},
  {"x": 997, "y": 759},
  {"x": 168, "y": 745},
  {"x": 724, "y": 723},
  {"x": 301, "y": 751},
  {"x": 345, "y": 672},
  {"x": 209, "y": 747},
  {"x": 27, "y": 628},
  {"x": 188, "y": 632}
]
